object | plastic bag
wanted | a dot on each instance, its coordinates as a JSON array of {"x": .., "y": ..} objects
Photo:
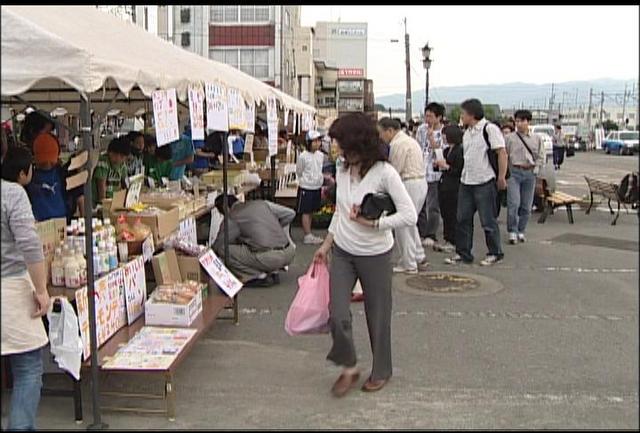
[
  {"x": 64, "y": 336},
  {"x": 309, "y": 311}
]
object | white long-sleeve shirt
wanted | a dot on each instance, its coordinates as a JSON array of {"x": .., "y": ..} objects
[
  {"x": 356, "y": 238},
  {"x": 309, "y": 170}
]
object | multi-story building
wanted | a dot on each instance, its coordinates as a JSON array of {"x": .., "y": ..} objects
[
  {"x": 304, "y": 65},
  {"x": 326, "y": 86},
  {"x": 259, "y": 40}
]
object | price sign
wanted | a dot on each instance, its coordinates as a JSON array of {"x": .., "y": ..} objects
[
  {"x": 217, "y": 112},
  {"x": 135, "y": 288},
  {"x": 220, "y": 274},
  {"x": 165, "y": 115},
  {"x": 148, "y": 249},
  {"x": 196, "y": 111}
]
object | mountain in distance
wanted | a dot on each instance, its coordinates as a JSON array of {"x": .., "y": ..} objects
[{"x": 510, "y": 95}]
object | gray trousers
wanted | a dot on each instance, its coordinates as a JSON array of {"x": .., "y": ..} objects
[
  {"x": 429, "y": 216},
  {"x": 375, "y": 274},
  {"x": 247, "y": 265}
]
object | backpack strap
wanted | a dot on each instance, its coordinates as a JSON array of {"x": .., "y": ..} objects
[{"x": 485, "y": 134}]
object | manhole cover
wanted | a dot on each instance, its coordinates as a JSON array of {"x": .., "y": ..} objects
[
  {"x": 450, "y": 284},
  {"x": 443, "y": 283}
]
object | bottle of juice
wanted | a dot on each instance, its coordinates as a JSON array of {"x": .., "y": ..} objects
[
  {"x": 97, "y": 266},
  {"x": 82, "y": 263},
  {"x": 71, "y": 237},
  {"x": 99, "y": 231},
  {"x": 71, "y": 271},
  {"x": 112, "y": 250},
  {"x": 104, "y": 257},
  {"x": 80, "y": 240},
  {"x": 110, "y": 230},
  {"x": 57, "y": 269}
]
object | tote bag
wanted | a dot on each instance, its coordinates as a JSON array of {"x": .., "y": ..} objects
[{"x": 309, "y": 311}]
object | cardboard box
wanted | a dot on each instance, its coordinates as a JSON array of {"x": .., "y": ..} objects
[
  {"x": 162, "y": 224},
  {"x": 51, "y": 232},
  {"x": 215, "y": 177},
  {"x": 162, "y": 314},
  {"x": 169, "y": 267}
]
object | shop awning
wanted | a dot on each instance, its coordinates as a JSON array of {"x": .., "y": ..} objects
[{"x": 49, "y": 53}]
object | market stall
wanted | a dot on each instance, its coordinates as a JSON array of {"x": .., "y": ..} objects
[{"x": 88, "y": 63}]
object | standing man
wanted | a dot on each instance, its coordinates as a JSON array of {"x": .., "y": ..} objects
[
  {"x": 558, "y": 148},
  {"x": 526, "y": 157},
  {"x": 429, "y": 136},
  {"x": 479, "y": 184},
  {"x": 406, "y": 158}
]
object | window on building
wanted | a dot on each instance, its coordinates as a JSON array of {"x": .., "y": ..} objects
[
  {"x": 251, "y": 61},
  {"x": 231, "y": 57},
  {"x": 304, "y": 48},
  {"x": 186, "y": 39},
  {"x": 217, "y": 55},
  {"x": 230, "y": 14},
  {"x": 261, "y": 59},
  {"x": 350, "y": 86},
  {"x": 185, "y": 15},
  {"x": 247, "y": 64},
  {"x": 217, "y": 13},
  {"x": 262, "y": 13},
  {"x": 247, "y": 14}
]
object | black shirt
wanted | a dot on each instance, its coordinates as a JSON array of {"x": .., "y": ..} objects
[{"x": 455, "y": 159}]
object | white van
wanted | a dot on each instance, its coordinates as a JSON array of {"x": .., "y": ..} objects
[{"x": 546, "y": 131}]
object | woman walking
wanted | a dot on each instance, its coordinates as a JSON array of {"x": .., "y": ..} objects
[
  {"x": 362, "y": 249},
  {"x": 24, "y": 291}
]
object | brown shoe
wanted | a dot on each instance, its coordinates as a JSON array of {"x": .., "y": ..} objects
[
  {"x": 344, "y": 383},
  {"x": 374, "y": 385}
]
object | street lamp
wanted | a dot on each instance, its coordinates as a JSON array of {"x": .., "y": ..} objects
[{"x": 426, "y": 62}]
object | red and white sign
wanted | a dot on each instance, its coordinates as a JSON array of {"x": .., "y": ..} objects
[{"x": 351, "y": 72}]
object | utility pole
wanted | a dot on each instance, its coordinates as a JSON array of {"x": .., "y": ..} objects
[
  {"x": 601, "y": 109},
  {"x": 408, "y": 96},
  {"x": 550, "y": 104},
  {"x": 624, "y": 104},
  {"x": 589, "y": 111}
]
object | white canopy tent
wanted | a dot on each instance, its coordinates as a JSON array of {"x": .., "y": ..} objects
[{"x": 50, "y": 53}]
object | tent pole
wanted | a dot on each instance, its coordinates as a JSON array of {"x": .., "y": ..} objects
[
  {"x": 85, "y": 116},
  {"x": 225, "y": 205}
]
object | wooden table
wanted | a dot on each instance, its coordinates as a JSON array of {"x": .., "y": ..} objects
[{"x": 211, "y": 307}]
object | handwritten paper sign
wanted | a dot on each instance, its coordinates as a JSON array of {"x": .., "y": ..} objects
[
  {"x": 196, "y": 111},
  {"x": 214, "y": 228},
  {"x": 165, "y": 115},
  {"x": 135, "y": 288},
  {"x": 220, "y": 274},
  {"x": 236, "y": 110},
  {"x": 272, "y": 109},
  {"x": 187, "y": 230},
  {"x": 250, "y": 116},
  {"x": 217, "y": 112},
  {"x": 133, "y": 192},
  {"x": 248, "y": 143},
  {"x": 286, "y": 116},
  {"x": 148, "y": 249},
  {"x": 111, "y": 313},
  {"x": 272, "y": 131}
]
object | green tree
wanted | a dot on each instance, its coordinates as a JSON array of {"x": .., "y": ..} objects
[
  {"x": 379, "y": 107},
  {"x": 490, "y": 113},
  {"x": 609, "y": 125},
  {"x": 454, "y": 115}
]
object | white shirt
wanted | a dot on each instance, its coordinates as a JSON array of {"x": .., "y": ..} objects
[
  {"x": 356, "y": 238},
  {"x": 309, "y": 169},
  {"x": 477, "y": 168},
  {"x": 429, "y": 154}
]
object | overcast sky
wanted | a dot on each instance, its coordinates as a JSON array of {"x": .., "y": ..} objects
[{"x": 493, "y": 44}]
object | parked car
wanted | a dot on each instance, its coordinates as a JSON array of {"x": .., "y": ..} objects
[
  {"x": 621, "y": 142},
  {"x": 546, "y": 132}
]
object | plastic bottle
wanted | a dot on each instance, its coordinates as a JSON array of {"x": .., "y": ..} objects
[
  {"x": 71, "y": 271},
  {"x": 57, "y": 269},
  {"x": 99, "y": 232},
  {"x": 82, "y": 263},
  {"x": 104, "y": 257},
  {"x": 110, "y": 230},
  {"x": 113, "y": 255},
  {"x": 94, "y": 233},
  {"x": 71, "y": 237},
  {"x": 80, "y": 241},
  {"x": 96, "y": 262}
]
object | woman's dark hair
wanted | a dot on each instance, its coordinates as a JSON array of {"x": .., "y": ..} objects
[
  {"x": 474, "y": 108},
  {"x": 34, "y": 122},
  {"x": 453, "y": 134},
  {"x": 18, "y": 159},
  {"x": 508, "y": 125},
  {"x": 523, "y": 115},
  {"x": 436, "y": 109},
  {"x": 389, "y": 123},
  {"x": 120, "y": 145},
  {"x": 150, "y": 140},
  {"x": 357, "y": 135},
  {"x": 164, "y": 153},
  {"x": 213, "y": 142}
]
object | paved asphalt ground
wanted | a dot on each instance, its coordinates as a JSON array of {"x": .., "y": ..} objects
[{"x": 555, "y": 347}]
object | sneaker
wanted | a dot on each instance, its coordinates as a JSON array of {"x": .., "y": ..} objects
[
  {"x": 445, "y": 248},
  {"x": 311, "y": 239},
  {"x": 513, "y": 238},
  {"x": 423, "y": 265},
  {"x": 401, "y": 270},
  {"x": 490, "y": 260},
  {"x": 453, "y": 260},
  {"x": 521, "y": 237},
  {"x": 428, "y": 242}
]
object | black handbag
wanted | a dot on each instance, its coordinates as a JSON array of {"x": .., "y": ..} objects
[
  {"x": 374, "y": 204},
  {"x": 570, "y": 150}
]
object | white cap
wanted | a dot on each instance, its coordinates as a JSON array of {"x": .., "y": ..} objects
[{"x": 312, "y": 135}]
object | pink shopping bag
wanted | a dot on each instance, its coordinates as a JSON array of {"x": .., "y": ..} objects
[{"x": 309, "y": 311}]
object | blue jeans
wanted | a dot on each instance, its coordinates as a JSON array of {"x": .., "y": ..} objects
[
  {"x": 520, "y": 189},
  {"x": 481, "y": 198},
  {"x": 26, "y": 369}
]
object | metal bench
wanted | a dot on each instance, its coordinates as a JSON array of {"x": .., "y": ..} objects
[
  {"x": 551, "y": 201},
  {"x": 607, "y": 190}
]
